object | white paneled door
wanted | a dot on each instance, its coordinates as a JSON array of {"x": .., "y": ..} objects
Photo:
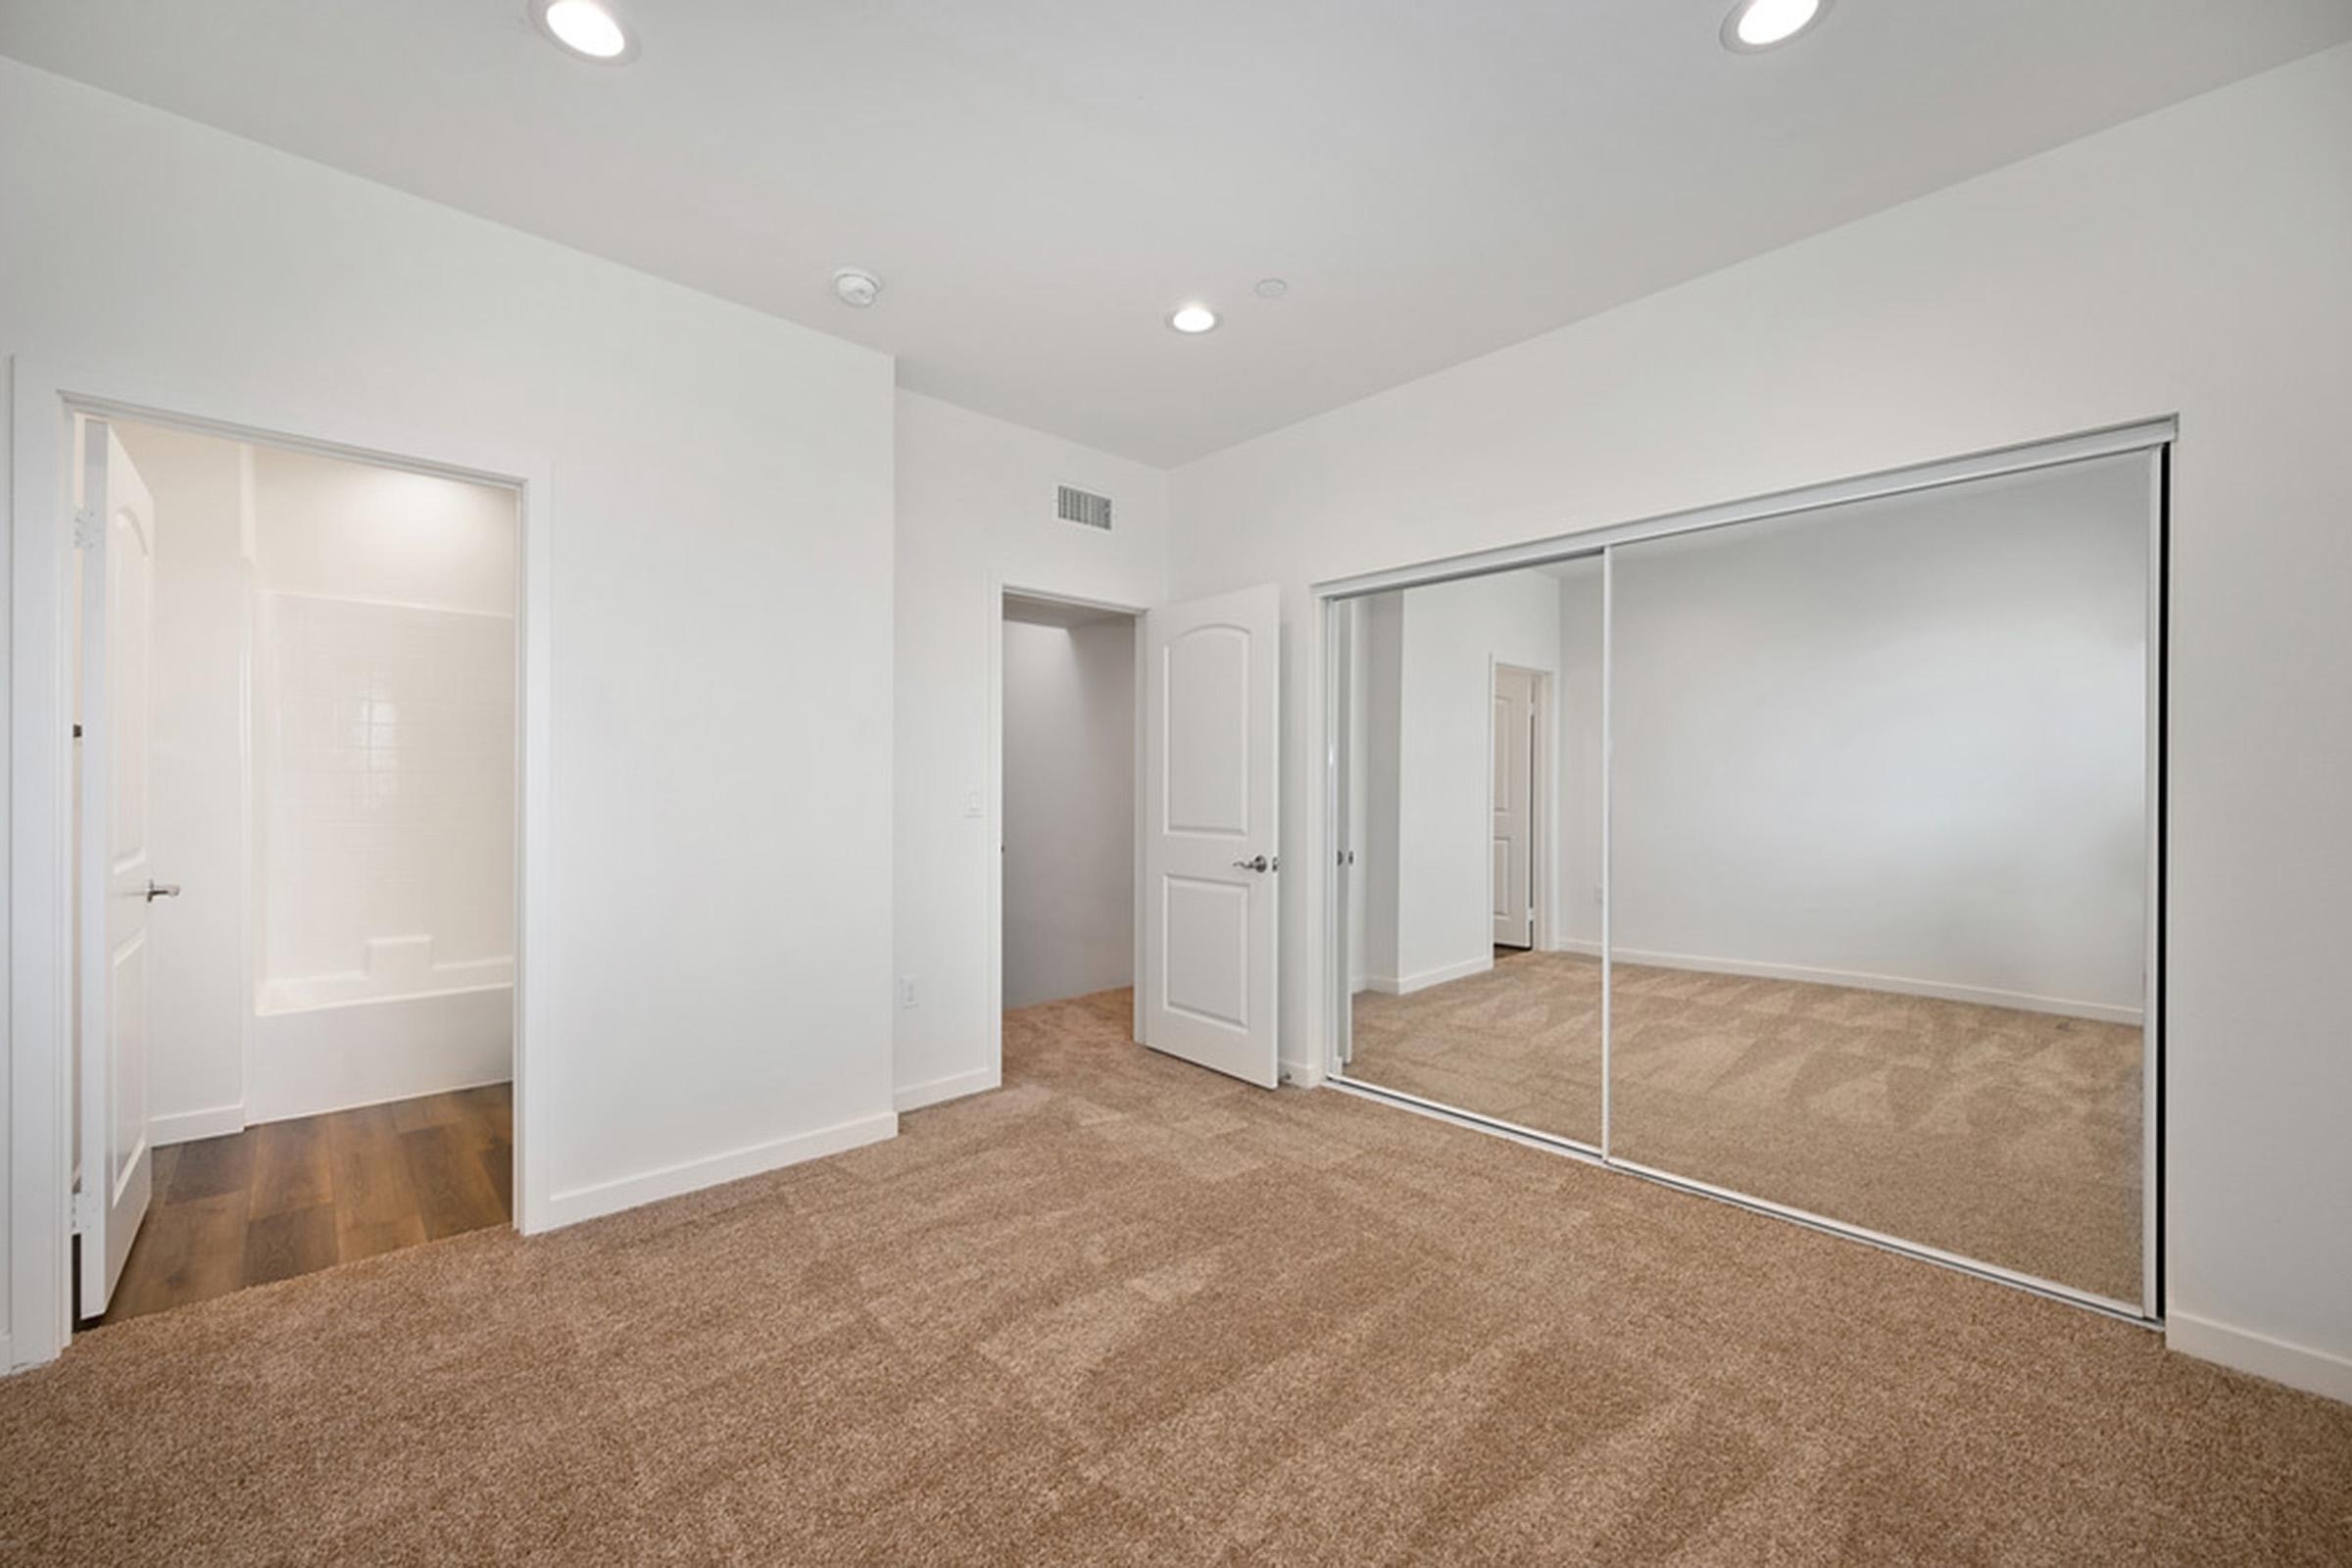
[
  {"x": 114, "y": 530},
  {"x": 1211, "y": 863},
  {"x": 1513, "y": 779}
]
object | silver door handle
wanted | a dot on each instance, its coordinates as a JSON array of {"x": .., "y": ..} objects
[
  {"x": 1256, "y": 862},
  {"x": 161, "y": 890}
]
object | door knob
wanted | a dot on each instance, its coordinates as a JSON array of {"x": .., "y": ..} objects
[
  {"x": 161, "y": 890},
  {"x": 1256, "y": 862}
]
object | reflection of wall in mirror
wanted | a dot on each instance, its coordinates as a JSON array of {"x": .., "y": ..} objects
[
  {"x": 1900, "y": 743},
  {"x": 1428, "y": 664}
]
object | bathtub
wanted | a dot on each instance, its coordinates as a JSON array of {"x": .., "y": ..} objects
[{"x": 331, "y": 1042}]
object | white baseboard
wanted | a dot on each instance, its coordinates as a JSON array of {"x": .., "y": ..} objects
[
  {"x": 1406, "y": 985},
  {"x": 693, "y": 1175},
  {"x": 1575, "y": 945},
  {"x": 2297, "y": 1366},
  {"x": 1983, "y": 995},
  {"x": 1298, "y": 1074},
  {"x": 955, "y": 1086},
  {"x": 187, "y": 1126}
]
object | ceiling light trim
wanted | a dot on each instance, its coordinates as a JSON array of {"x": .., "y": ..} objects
[
  {"x": 537, "y": 10},
  {"x": 1193, "y": 319},
  {"x": 1739, "y": 45}
]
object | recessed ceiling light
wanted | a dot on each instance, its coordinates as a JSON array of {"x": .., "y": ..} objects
[
  {"x": 586, "y": 28},
  {"x": 856, "y": 287},
  {"x": 1755, "y": 24},
  {"x": 1192, "y": 318}
]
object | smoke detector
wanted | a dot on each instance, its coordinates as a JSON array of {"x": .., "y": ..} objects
[{"x": 856, "y": 287}]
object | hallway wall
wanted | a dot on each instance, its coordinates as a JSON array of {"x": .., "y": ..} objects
[{"x": 1069, "y": 810}]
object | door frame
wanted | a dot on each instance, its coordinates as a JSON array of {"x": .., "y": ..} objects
[
  {"x": 45, "y": 399},
  {"x": 1001, "y": 588}
]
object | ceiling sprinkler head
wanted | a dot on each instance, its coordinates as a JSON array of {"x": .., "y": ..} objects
[{"x": 856, "y": 287}]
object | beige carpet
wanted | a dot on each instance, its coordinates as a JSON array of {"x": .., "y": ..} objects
[
  {"x": 1124, "y": 1311},
  {"x": 1521, "y": 1041},
  {"x": 2005, "y": 1136}
]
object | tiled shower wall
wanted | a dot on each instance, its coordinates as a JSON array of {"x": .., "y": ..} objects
[{"x": 384, "y": 767}]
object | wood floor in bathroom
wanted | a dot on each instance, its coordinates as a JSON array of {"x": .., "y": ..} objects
[{"x": 290, "y": 1197}]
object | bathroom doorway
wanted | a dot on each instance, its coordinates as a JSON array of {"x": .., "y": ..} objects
[{"x": 295, "y": 830}]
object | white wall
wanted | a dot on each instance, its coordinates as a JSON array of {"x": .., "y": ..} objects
[
  {"x": 721, "y": 545},
  {"x": 1069, "y": 810},
  {"x": 349, "y": 530},
  {"x": 1900, "y": 744},
  {"x": 196, "y": 1069},
  {"x": 975, "y": 515},
  {"x": 384, "y": 734},
  {"x": 2192, "y": 261}
]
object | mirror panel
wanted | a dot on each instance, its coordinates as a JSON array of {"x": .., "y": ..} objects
[
  {"x": 1878, "y": 870},
  {"x": 1473, "y": 803}
]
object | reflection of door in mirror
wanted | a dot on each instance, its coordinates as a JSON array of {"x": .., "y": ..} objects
[{"x": 1513, "y": 775}]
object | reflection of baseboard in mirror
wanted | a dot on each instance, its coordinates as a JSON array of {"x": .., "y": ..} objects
[
  {"x": 1874, "y": 805},
  {"x": 1406, "y": 985},
  {"x": 1895, "y": 985}
]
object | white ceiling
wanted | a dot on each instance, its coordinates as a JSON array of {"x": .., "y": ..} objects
[{"x": 1039, "y": 181}]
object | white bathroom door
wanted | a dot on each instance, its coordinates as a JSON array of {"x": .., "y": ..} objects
[
  {"x": 114, "y": 531},
  {"x": 1211, "y": 862},
  {"x": 1513, "y": 778}
]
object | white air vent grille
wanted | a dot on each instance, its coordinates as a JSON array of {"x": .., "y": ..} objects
[{"x": 1082, "y": 506}]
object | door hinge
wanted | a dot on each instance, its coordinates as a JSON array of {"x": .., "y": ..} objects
[
  {"x": 86, "y": 1212},
  {"x": 88, "y": 529}
]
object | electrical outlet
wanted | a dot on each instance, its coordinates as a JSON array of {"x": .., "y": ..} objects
[
  {"x": 905, "y": 990},
  {"x": 975, "y": 804}
]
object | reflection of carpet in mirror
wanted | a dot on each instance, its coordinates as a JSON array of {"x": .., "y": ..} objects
[{"x": 2005, "y": 1136}]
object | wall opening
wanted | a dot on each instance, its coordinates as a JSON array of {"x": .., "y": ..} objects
[
  {"x": 308, "y": 726},
  {"x": 1067, "y": 801}
]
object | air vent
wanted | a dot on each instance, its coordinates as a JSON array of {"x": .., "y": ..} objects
[{"x": 1082, "y": 506}]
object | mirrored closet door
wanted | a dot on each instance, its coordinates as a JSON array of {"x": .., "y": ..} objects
[{"x": 1875, "y": 780}]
